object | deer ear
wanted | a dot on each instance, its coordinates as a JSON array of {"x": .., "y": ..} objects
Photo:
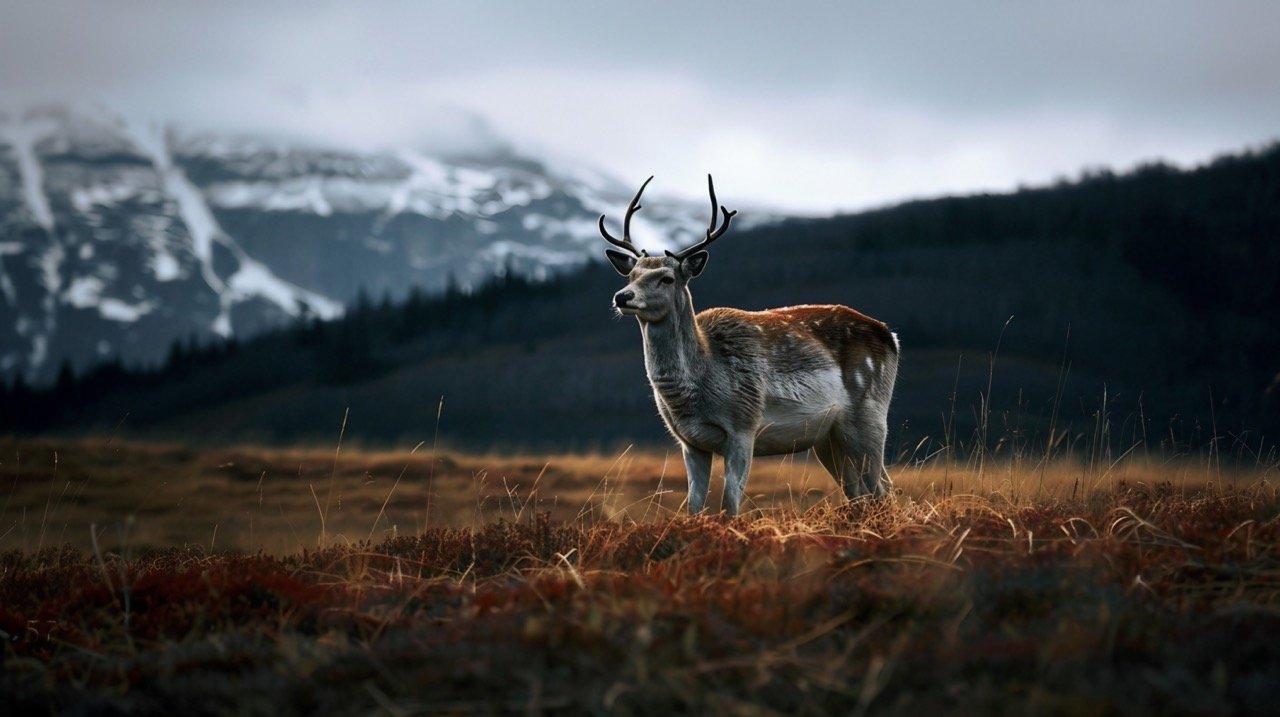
[
  {"x": 695, "y": 263},
  {"x": 622, "y": 263}
]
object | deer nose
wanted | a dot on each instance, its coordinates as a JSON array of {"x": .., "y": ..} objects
[{"x": 621, "y": 298}]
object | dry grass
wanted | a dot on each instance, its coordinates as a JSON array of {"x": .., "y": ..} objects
[
  {"x": 281, "y": 500},
  {"x": 574, "y": 584}
]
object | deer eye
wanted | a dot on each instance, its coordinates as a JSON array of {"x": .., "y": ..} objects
[{"x": 668, "y": 280}]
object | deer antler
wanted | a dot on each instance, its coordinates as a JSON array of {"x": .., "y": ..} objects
[
  {"x": 712, "y": 232},
  {"x": 625, "y": 242}
]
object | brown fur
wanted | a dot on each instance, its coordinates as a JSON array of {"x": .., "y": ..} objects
[{"x": 743, "y": 383}]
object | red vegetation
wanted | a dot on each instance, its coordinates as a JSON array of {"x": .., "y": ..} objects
[{"x": 1138, "y": 600}]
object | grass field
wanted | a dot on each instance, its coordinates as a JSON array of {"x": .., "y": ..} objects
[{"x": 156, "y": 579}]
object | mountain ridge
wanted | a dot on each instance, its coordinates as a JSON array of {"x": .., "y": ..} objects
[
  {"x": 1140, "y": 306},
  {"x": 120, "y": 236}
]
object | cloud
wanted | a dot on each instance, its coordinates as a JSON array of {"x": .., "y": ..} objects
[{"x": 808, "y": 105}]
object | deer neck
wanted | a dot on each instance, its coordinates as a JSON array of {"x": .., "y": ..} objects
[{"x": 674, "y": 348}]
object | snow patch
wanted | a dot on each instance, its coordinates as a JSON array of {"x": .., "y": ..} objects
[
  {"x": 117, "y": 310},
  {"x": 432, "y": 188},
  {"x": 438, "y": 190},
  {"x": 85, "y": 199},
  {"x": 316, "y": 200},
  {"x": 255, "y": 279},
  {"x": 304, "y": 194},
  {"x": 51, "y": 267},
  {"x": 164, "y": 267},
  {"x": 196, "y": 215},
  {"x": 222, "y": 325},
  {"x": 502, "y": 249},
  {"x": 7, "y": 289},
  {"x": 252, "y": 278},
  {"x": 155, "y": 230},
  {"x": 23, "y": 139},
  {"x": 321, "y": 195},
  {"x": 8, "y": 248},
  {"x": 523, "y": 196},
  {"x": 84, "y": 292},
  {"x": 39, "y": 350},
  {"x": 577, "y": 228}
]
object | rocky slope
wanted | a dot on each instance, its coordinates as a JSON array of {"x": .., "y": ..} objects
[{"x": 118, "y": 237}]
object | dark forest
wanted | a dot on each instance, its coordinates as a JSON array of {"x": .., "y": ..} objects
[{"x": 1146, "y": 301}]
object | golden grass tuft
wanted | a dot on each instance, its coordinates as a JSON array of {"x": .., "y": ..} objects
[
  {"x": 576, "y": 585},
  {"x": 282, "y": 500}
]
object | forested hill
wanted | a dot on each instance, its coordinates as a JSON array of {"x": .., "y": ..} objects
[{"x": 1138, "y": 307}]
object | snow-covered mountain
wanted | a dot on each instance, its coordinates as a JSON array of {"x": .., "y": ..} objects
[{"x": 118, "y": 237}]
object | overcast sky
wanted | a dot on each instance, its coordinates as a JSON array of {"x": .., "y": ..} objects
[{"x": 800, "y": 105}]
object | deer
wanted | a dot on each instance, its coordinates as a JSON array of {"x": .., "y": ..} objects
[{"x": 741, "y": 384}]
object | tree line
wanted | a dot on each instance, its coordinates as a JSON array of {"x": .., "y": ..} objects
[{"x": 1161, "y": 281}]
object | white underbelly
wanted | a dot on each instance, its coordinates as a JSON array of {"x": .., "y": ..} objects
[{"x": 799, "y": 409}]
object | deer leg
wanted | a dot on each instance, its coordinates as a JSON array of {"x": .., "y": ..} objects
[
  {"x": 864, "y": 449},
  {"x": 825, "y": 450},
  {"x": 832, "y": 455},
  {"x": 697, "y": 465},
  {"x": 737, "y": 465},
  {"x": 854, "y": 456}
]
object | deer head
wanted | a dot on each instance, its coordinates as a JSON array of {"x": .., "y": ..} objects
[{"x": 659, "y": 284}]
